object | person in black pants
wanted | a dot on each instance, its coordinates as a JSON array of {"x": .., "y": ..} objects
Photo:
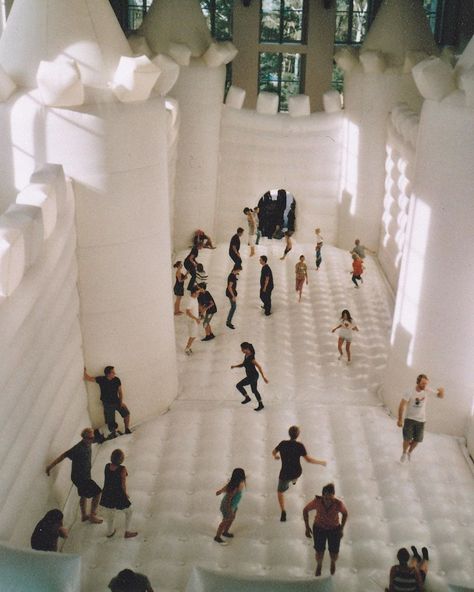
[
  {"x": 252, "y": 368},
  {"x": 266, "y": 285},
  {"x": 231, "y": 293},
  {"x": 190, "y": 264},
  {"x": 234, "y": 247}
]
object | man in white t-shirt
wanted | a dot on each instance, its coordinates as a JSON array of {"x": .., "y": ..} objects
[
  {"x": 414, "y": 403},
  {"x": 192, "y": 318}
]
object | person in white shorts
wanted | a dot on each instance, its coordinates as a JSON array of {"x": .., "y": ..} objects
[
  {"x": 192, "y": 318},
  {"x": 346, "y": 327},
  {"x": 414, "y": 403}
]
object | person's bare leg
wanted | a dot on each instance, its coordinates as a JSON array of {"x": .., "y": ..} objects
[
  {"x": 406, "y": 445},
  {"x": 319, "y": 562},
  {"x": 83, "y": 505},
  {"x": 177, "y": 304},
  {"x": 340, "y": 341},
  {"x": 223, "y": 527},
  {"x": 348, "y": 350},
  {"x": 93, "y": 517},
  {"x": 189, "y": 343},
  {"x": 412, "y": 446},
  {"x": 126, "y": 422},
  {"x": 252, "y": 251},
  {"x": 334, "y": 557}
]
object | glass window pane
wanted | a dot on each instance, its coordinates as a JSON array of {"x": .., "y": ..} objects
[
  {"x": 359, "y": 26},
  {"x": 223, "y": 20},
  {"x": 337, "y": 78},
  {"x": 343, "y": 5},
  {"x": 342, "y": 27},
  {"x": 270, "y": 21},
  {"x": 269, "y": 72},
  {"x": 293, "y": 21}
]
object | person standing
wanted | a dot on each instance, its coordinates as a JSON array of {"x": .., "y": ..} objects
[
  {"x": 111, "y": 395},
  {"x": 231, "y": 293},
  {"x": 301, "y": 275},
  {"x": 357, "y": 269},
  {"x": 230, "y": 502},
  {"x": 81, "y": 458},
  {"x": 190, "y": 264},
  {"x": 234, "y": 247},
  {"x": 256, "y": 212},
  {"x": 414, "y": 403},
  {"x": 266, "y": 285},
  {"x": 290, "y": 451},
  {"x": 48, "y": 530},
  {"x": 193, "y": 320},
  {"x": 178, "y": 286},
  {"x": 346, "y": 327},
  {"x": 252, "y": 368},
  {"x": 326, "y": 527},
  {"x": 207, "y": 309},
  {"x": 114, "y": 494},
  {"x": 252, "y": 223},
  {"x": 319, "y": 246}
]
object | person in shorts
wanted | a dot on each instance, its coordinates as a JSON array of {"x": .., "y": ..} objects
[
  {"x": 81, "y": 458},
  {"x": 290, "y": 451},
  {"x": 413, "y": 405},
  {"x": 207, "y": 309},
  {"x": 193, "y": 320},
  {"x": 111, "y": 395},
  {"x": 326, "y": 528}
]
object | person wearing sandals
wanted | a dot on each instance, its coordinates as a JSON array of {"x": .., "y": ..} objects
[
  {"x": 114, "y": 494},
  {"x": 230, "y": 502}
]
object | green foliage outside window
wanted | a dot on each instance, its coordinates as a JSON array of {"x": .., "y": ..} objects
[
  {"x": 281, "y": 73},
  {"x": 282, "y": 21},
  {"x": 218, "y": 14}
]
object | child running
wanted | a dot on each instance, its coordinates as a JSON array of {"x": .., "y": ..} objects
[
  {"x": 346, "y": 326},
  {"x": 230, "y": 502}
]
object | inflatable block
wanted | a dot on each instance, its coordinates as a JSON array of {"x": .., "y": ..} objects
[
  {"x": 235, "y": 97},
  {"x": 347, "y": 59},
  {"x": 219, "y": 53},
  {"x": 134, "y": 79},
  {"x": 169, "y": 73},
  {"x": 332, "y": 101},
  {"x": 412, "y": 58},
  {"x": 44, "y": 197},
  {"x": 29, "y": 220},
  {"x": 180, "y": 53},
  {"x": 267, "y": 103},
  {"x": 372, "y": 61},
  {"x": 53, "y": 175},
  {"x": 299, "y": 106},
  {"x": 7, "y": 86},
  {"x": 12, "y": 259},
  {"x": 203, "y": 580},
  {"x": 139, "y": 46},
  {"x": 467, "y": 83},
  {"x": 24, "y": 570},
  {"x": 59, "y": 83},
  {"x": 434, "y": 79}
]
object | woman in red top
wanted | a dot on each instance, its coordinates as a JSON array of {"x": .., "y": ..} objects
[
  {"x": 357, "y": 269},
  {"x": 326, "y": 525}
]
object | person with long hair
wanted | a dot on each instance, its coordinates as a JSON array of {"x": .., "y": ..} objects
[
  {"x": 229, "y": 504},
  {"x": 409, "y": 574},
  {"x": 179, "y": 286},
  {"x": 252, "y": 368},
  {"x": 346, "y": 326},
  {"x": 114, "y": 494},
  {"x": 301, "y": 273},
  {"x": 48, "y": 530}
]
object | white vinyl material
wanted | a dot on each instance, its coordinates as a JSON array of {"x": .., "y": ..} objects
[{"x": 59, "y": 83}]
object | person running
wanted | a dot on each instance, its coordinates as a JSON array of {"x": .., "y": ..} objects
[
  {"x": 193, "y": 320},
  {"x": 290, "y": 451},
  {"x": 234, "y": 247},
  {"x": 111, "y": 395},
  {"x": 266, "y": 285},
  {"x": 231, "y": 293},
  {"x": 319, "y": 246},
  {"x": 357, "y": 269},
  {"x": 252, "y": 368},
  {"x": 326, "y": 527},
  {"x": 252, "y": 223},
  {"x": 48, "y": 530},
  {"x": 346, "y": 327},
  {"x": 289, "y": 245},
  {"x": 114, "y": 494},
  {"x": 360, "y": 250},
  {"x": 190, "y": 264},
  {"x": 230, "y": 502},
  {"x": 414, "y": 403},
  {"x": 301, "y": 276},
  {"x": 409, "y": 575},
  {"x": 207, "y": 309},
  {"x": 179, "y": 286},
  {"x": 81, "y": 458}
]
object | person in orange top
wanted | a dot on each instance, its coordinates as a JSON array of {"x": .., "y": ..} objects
[
  {"x": 357, "y": 269},
  {"x": 326, "y": 525}
]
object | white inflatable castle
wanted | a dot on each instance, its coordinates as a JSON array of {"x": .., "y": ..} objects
[{"x": 113, "y": 152}]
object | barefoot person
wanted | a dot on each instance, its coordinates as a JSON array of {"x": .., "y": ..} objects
[
  {"x": 193, "y": 320},
  {"x": 231, "y": 293},
  {"x": 252, "y": 224},
  {"x": 326, "y": 527},
  {"x": 290, "y": 451},
  {"x": 346, "y": 327},
  {"x": 80, "y": 455},
  {"x": 301, "y": 276},
  {"x": 48, "y": 530},
  {"x": 357, "y": 269},
  {"x": 252, "y": 368},
  {"x": 413, "y": 405},
  {"x": 230, "y": 502},
  {"x": 409, "y": 574},
  {"x": 318, "y": 249},
  {"x": 289, "y": 244},
  {"x": 179, "y": 286}
]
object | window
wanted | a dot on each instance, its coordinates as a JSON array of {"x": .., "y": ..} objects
[
  {"x": 282, "y": 57},
  {"x": 218, "y": 14},
  {"x": 283, "y": 74},
  {"x": 431, "y": 9},
  {"x": 353, "y": 18},
  {"x": 136, "y": 12}
]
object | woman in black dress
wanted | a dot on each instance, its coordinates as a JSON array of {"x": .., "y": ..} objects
[
  {"x": 179, "y": 286},
  {"x": 114, "y": 494},
  {"x": 252, "y": 368}
]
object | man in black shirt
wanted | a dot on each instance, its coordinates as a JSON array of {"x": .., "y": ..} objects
[
  {"x": 130, "y": 581},
  {"x": 266, "y": 285},
  {"x": 190, "y": 264},
  {"x": 80, "y": 455},
  {"x": 290, "y": 451},
  {"x": 231, "y": 293},
  {"x": 111, "y": 395},
  {"x": 234, "y": 247},
  {"x": 207, "y": 309}
]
